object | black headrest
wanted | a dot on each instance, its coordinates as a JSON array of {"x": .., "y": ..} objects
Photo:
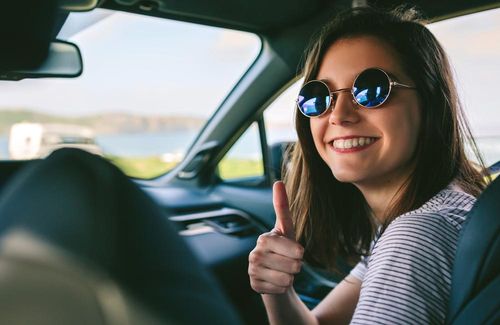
[{"x": 476, "y": 278}]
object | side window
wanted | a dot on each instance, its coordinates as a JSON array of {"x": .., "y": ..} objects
[
  {"x": 280, "y": 127},
  {"x": 279, "y": 116},
  {"x": 244, "y": 159}
]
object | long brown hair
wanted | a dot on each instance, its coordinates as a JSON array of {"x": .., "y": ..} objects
[{"x": 331, "y": 218}]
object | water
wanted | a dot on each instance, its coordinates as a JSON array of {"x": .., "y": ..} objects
[
  {"x": 145, "y": 144},
  {"x": 151, "y": 144},
  {"x": 156, "y": 144}
]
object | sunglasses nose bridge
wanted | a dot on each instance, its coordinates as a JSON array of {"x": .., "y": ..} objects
[
  {"x": 342, "y": 90},
  {"x": 343, "y": 110}
]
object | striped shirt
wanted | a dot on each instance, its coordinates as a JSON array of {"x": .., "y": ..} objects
[{"x": 407, "y": 277}]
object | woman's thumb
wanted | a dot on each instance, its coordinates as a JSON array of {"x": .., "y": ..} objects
[{"x": 284, "y": 223}]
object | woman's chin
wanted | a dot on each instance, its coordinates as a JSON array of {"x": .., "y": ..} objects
[{"x": 347, "y": 176}]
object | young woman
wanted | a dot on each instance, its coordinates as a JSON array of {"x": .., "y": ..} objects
[{"x": 379, "y": 172}]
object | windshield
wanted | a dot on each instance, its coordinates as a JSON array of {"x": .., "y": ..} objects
[{"x": 147, "y": 88}]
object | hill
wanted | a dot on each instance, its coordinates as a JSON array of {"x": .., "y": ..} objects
[{"x": 108, "y": 123}]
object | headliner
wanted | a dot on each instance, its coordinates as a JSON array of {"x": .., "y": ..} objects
[{"x": 271, "y": 16}]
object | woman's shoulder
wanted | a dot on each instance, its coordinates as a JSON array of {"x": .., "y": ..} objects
[
  {"x": 434, "y": 226},
  {"x": 449, "y": 207}
]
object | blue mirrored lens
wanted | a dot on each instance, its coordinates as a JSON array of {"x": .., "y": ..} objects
[
  {"x": 371, "y": 88},
  {"x": 314, "y": 98}
]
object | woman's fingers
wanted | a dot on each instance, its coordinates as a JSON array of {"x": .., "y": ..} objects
[
  {"x": 272, "y": 242},
  {"x": 282, "y": 264},
  {"x": 275, "y": 262},
  {"x": 271, "y": 272},
  {"x": 277, "y": 278}
]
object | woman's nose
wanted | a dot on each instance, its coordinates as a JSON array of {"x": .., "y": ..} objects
[{"x": 344, "y": 110}]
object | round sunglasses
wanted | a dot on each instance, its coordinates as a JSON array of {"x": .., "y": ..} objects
[{"x": 371, "y": 88}]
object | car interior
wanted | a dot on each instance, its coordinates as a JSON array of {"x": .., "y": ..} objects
[{"x": 219, "y": 219}]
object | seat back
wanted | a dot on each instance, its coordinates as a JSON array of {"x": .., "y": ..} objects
[{"x": 475, "y": 293}]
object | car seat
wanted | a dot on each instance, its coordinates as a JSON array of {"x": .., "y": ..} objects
[
  {"x": 42, "y": 284},
  {"x": 73, "y": 227},
  {"x": 475, "y": 293}
]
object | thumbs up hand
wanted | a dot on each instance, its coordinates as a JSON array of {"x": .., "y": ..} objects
[{"x": 277, "y": 257}]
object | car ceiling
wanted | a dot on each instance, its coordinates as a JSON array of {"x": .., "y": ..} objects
[{"x": 268, "y": 17}]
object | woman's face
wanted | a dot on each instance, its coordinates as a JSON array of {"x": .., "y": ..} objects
[{"x": 392, "y": 128}]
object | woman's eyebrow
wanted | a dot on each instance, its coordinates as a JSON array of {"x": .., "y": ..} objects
[
  {"x": 331, "y": 85},
  {"x": 328, "y": 82}
]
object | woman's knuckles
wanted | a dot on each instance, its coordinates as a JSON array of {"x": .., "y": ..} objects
[
  {"x": 269, "y": 238},
  {"x": 252, "y": 271},
  {"x": 298, "y": 251},
  {"x": 262, "y": 240},
  {"x": 255, "y": 257}
]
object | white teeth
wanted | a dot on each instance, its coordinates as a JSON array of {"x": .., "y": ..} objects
[{"x": 352, "y": 143}]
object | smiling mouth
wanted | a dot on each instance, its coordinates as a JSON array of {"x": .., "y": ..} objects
[{"x": 352, "y": 144}]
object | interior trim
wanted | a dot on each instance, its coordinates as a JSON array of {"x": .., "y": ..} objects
[{"x": 203, "y": 229}]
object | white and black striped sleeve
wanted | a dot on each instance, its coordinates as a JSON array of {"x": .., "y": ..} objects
[{"x": 409, "y": 275}]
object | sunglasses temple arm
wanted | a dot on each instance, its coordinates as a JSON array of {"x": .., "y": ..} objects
[{"x": 397, "y": 84}]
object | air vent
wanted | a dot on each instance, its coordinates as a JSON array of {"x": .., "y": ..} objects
[
  {"x": 226, "y": 221},
  {"x": 231, "y": 224}
]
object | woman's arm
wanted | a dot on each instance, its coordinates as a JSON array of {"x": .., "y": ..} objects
[
  {"x": 287, "y": 308},
  {"x": 337, "y": 307}
]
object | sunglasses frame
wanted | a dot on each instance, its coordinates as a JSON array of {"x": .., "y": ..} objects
[{"x": 392, "y": 83}]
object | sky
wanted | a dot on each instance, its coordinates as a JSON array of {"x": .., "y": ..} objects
[{"x": 144, "y": 65}]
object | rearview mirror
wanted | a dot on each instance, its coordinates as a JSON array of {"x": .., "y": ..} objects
[
  {"x": 63, "y": 61},
  {"x": 77, "y": 5}
]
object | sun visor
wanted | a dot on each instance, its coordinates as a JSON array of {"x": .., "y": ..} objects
[{"x": 26, "y": 30}]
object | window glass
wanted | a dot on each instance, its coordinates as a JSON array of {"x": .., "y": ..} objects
[
  {"x": 279, "y": 116},
  {"x": 244, "y": 159},
  {"x": 471, "y": 42},
  {"x": 147, "y": 88}
]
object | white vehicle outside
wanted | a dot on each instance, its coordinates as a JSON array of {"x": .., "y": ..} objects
[{"x": 38, "y": 140}]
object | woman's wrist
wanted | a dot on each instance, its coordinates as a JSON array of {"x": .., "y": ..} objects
[{"x": 289, "y": 293}]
